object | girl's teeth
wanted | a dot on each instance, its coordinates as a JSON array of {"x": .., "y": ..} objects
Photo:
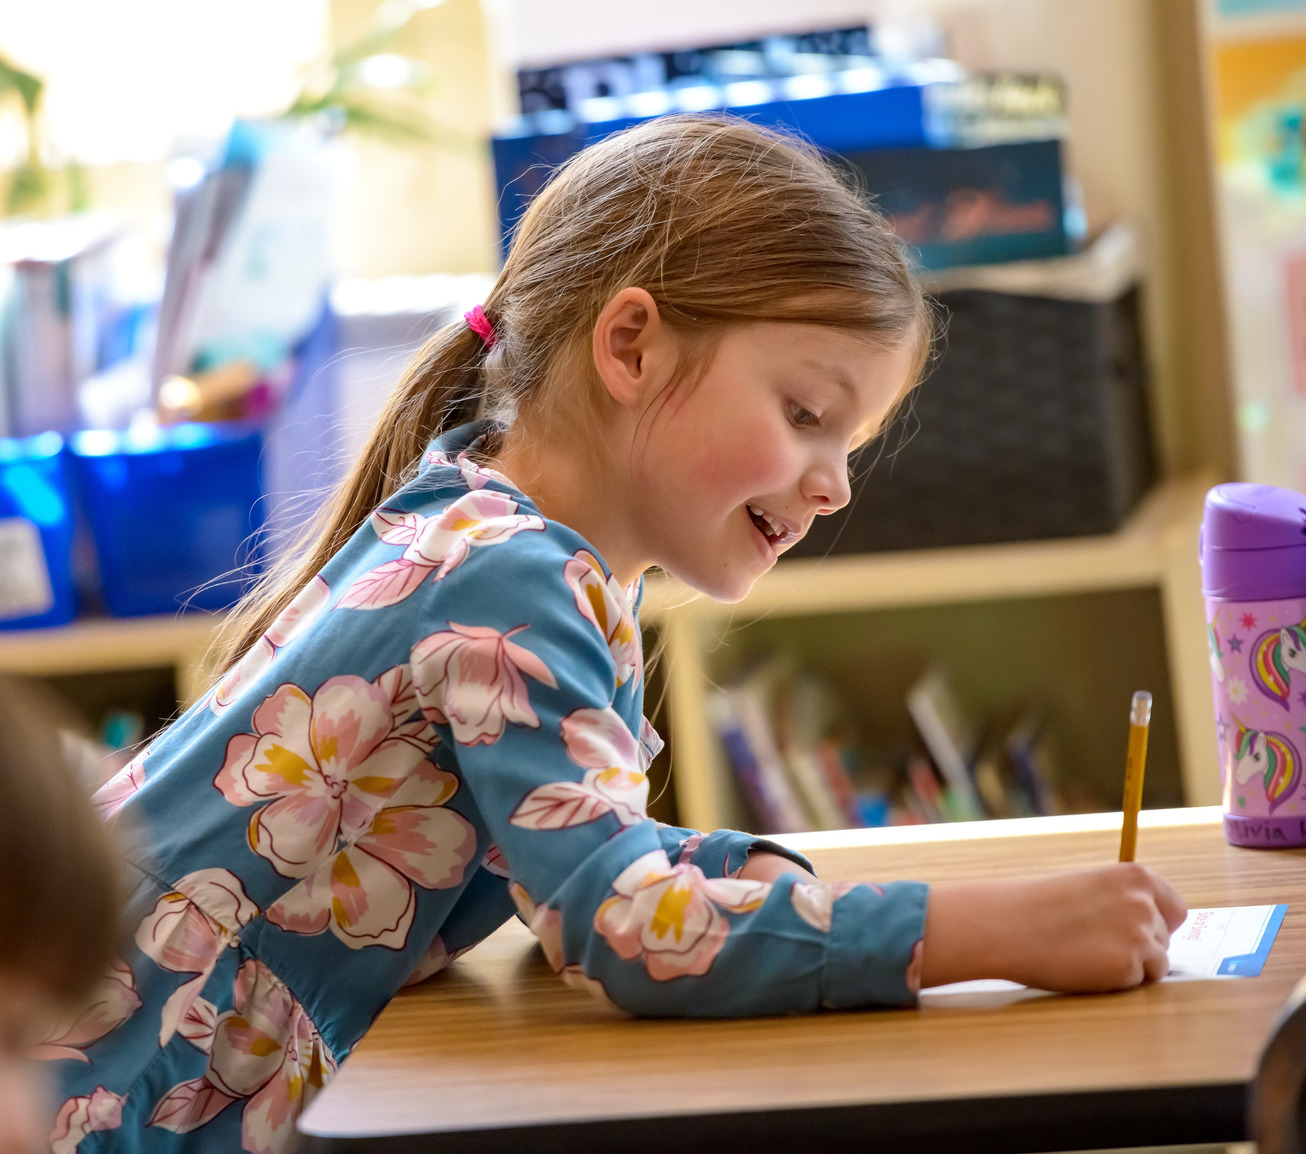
[{"x": 775, "y": 530}]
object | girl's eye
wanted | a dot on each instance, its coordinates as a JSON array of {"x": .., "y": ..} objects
[{"x": 802, "y": 418}]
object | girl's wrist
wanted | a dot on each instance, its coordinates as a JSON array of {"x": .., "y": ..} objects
[{"x": 969, "y": 932}]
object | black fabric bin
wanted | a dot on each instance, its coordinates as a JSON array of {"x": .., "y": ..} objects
[{"x": 1032, "y": 424}]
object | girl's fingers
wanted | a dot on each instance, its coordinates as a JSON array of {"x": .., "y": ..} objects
[
  {"x": 1172, "y": 907},
  {"x": 1156, "y": 964}
]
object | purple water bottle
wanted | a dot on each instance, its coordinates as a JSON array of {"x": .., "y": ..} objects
[{"x": 1254, "y": 577}]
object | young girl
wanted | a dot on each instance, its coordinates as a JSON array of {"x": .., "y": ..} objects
[{"x": 433, "y": 720}]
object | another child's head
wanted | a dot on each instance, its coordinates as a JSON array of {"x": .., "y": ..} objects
[
  {"x": 716, "y": 225},
  {"x": 59, "y": 902}
]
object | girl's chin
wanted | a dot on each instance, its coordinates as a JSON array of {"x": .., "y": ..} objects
[{"x": 726, "y": 588}]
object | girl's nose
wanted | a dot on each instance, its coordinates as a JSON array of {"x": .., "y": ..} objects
[{"x": 826, "y": 484}]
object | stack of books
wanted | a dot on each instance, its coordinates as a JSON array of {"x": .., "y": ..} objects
[{"x": 800, "y": 766}]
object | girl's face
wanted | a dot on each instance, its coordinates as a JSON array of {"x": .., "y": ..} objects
[{"x": 732, "y": 470}]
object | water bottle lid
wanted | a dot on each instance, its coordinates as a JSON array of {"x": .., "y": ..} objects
[{"x": 1253, "y": 545}]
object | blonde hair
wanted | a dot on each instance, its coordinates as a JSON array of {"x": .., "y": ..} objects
[{"x": 721, "y": 222}]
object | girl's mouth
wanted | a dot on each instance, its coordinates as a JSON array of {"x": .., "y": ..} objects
[{"x": 778, "y": 533}]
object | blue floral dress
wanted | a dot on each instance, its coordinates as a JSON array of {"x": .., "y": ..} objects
[{"x": 443, "y": 729}]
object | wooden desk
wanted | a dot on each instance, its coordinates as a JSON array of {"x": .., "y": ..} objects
[{"x": 496, "y": 1054}]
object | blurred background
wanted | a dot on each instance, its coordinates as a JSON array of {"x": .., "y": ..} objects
[{"x": 226, "y": 228}]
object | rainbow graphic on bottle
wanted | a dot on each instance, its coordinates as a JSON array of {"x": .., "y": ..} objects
[
  {"x": 1258, "y": 675},
  {"x": 1276, "y": 655}
]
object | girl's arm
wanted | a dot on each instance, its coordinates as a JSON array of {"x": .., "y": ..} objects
[{"x": 1098, "y": 929}]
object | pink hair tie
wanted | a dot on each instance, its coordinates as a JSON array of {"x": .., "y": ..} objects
[{"x": 479, "y": 323}]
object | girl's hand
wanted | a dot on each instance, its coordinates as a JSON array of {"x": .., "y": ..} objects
[{"x": 1091, "y": 930}]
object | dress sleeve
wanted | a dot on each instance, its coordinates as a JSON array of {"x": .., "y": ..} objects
[{"x": 528, "y": 693}]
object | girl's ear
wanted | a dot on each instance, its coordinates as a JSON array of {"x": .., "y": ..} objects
[{"x": 632, "y": 347}]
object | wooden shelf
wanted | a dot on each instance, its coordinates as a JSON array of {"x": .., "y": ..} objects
[{"x": 104, "y": 644}]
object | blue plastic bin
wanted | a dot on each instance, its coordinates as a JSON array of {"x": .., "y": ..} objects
[
  {"x": 174, "y": 513},
  {"x": 36, "y": 533}
]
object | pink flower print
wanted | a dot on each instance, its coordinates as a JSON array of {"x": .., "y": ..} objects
[
  {"x": 598, "y": 740},
  {"x": 814, "y": 901},
  {"x": 114, "y": 1001},
  {"x": 101, "y": 1109},
  {"x": 474, "y": 476},
  {"x": 546, "y": 924},
  {"x": 292, "y": 621},
  {"x": 543, "y": 921},
  {"x": 113, "y": 794},
  {"x": 650, "y": 743},
  {"x": 670, "y": 916},
  {"x": 478, "y": 476},
  {"x": 326, "y": 763},
  {"x": 266, "y": 1051},
  {"x": 435, "y": 545},
  {"x": 603, "y": 603},
  {"x": 469, "y": 677},
  {"x": 186, "y": 933},
  {"x": 495, "y": 862},
  {"x": 364, "y": 894}
]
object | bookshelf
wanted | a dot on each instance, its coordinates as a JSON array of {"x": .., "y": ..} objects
[
  {"x": 1155, "y": 551},
  {"x": 106, "y": 645},
  {"x": 841, "y": 599}
]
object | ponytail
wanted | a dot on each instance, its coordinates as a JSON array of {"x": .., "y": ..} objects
[{"x": 443, "y": 387}]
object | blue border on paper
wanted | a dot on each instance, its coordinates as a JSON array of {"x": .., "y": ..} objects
[{"x": 1249, "y": 965}]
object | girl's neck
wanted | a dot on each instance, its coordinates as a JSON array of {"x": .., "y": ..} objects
[{"x": 578, "y": 485}]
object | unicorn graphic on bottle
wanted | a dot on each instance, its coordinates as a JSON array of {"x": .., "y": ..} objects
[
  {"x": 1276, "y": 656},
  {"x": 1269, "y": 758}
]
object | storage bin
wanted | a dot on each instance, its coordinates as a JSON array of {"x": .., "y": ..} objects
[
  {"x": 1033, "y": 424},
  {"x": 36, "y": 533},
  {"x": 173, "y": 512}
]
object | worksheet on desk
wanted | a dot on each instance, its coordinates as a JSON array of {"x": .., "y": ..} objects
[
  {"x": 1228, "y": 942},
  {"x": 1224, "y": 943}
]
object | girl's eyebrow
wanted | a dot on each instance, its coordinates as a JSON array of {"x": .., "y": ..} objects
[{"x": 831, "y": 373}]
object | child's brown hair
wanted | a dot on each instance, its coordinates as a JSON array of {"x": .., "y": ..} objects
[
  {"x": 59, "y": 872},
  {"x": 722, "y": 222}
]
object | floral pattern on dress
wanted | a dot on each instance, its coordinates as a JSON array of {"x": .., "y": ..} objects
[
  {"x": 114, "y": 1001},
  {"x": 113, "y": 794},
  {"x": 814, "y": 901},
  {"x": 545, "y": 923},
  {"x": 99, "y": 1110},
  {"x": 364, "y": 895},
  {"x": 186, "y": 933},
  {"x": 290, "y": 623},
  {"x": 265, "y": 1051},
  {"x": 603, "y": 602},
  {"x": 670, "y": 916},
  {"x": 597, "y": 740},
  {"x": 323, "y": 763},
  {"x": 435, "y": 546},
  {"x": 469, "y": 677},
  {"x": 474, "y": 476}
]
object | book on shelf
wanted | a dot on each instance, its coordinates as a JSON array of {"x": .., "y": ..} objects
[
  {"x": 949, "y": 736},
  {"x": 1029, "y": 753},
  {"x": 780, "y": 728},
  {"x": 741, "y": 724}
]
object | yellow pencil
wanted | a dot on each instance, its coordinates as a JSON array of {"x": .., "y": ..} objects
[{"x": 1140, "y": 715}]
